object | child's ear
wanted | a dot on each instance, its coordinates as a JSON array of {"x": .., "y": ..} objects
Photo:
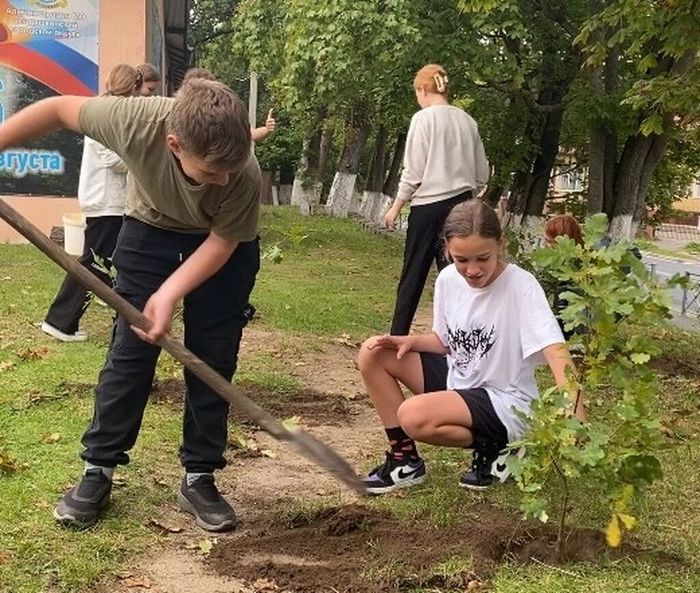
[{"x": 173, "y": 144}]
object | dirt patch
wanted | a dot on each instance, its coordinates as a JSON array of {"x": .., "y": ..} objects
[
  {"x": 356, "y": 549},
  {"x": 326, "y": 364},
  {"x": 312, "y": 407},
  {"x": 672, "y": 366},
  {"x": 172, "y": 571}
]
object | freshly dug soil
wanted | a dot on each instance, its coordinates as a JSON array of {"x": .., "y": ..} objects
[{"x": 355, "y": 549}]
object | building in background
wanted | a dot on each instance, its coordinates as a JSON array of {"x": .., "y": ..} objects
[
  {"x": 692, "y": 202},
  {"x": 62, "y": 47}
]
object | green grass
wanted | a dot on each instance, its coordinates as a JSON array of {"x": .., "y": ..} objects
[
  {"x": 691, "y": 250},
  {"x": 334, "y": 279}
]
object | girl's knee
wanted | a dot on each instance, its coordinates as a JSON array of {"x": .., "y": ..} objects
[
  {"x": 368, "y": 359},
  {"x": 413, "y": 421}
]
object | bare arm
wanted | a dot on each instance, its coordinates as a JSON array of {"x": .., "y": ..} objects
[
  {"x": 559, "y": 360},
  {"x": 403, "y": 344},
  {"x": 42, "y": 118},
  {"x": 208, "y": 259},
  {"x": 259, "y": 134}
]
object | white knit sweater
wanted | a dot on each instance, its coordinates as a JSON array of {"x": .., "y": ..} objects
[{"x": 444, "y": 156}]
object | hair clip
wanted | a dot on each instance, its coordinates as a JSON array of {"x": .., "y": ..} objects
[{"x": 441, "y": 81}]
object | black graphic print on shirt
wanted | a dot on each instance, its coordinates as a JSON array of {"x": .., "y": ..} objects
[{"x": 470, "y": 346}]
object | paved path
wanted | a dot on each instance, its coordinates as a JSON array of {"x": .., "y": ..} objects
[{"x": 666, "y": 267}]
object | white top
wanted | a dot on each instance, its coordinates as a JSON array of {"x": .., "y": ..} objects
[
  {"x": 444, "y": 156},
  {"x": 102, "y": 184},
  {"x": 495, "y": 336}
]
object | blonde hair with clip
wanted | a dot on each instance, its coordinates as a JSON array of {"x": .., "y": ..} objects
[{"x": 432, "y": 78}]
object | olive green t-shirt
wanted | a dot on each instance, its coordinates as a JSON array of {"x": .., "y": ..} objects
[{"x": 158, "y": 192}]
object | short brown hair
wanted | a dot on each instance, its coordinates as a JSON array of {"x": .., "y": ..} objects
[
  {"x": 122, "y": 81},
  {"x": 198, "y": 72},
  {"x": 148, "y": 73},
  {"x": 210, "y": 122},
  {"x": 563, "y": 224},
  {"x": 432, "y": 78},
  {"x": 473, "y": 217}
]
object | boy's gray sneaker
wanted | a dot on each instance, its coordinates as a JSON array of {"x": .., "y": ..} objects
[
  {"x": 210, "y": 509},
  {"x": 81, "y": 506}
]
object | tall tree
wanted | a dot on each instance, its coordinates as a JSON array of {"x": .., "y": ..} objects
[{"x": 656, "y": 44}]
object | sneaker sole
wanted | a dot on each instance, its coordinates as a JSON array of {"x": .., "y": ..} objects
[
  {"x": 188, "y": 507},
  {"x": 62, "y": 337},
  {"x": 67, "y": 520},
  {"x": 404, "y": 484},
  {"x": 474, "y": 487}
]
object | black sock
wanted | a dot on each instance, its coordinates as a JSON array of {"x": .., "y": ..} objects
[{"x": 402, "y": 446}]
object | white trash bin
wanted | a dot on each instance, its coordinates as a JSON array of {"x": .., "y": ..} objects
[{"x": 74, "y": 233}]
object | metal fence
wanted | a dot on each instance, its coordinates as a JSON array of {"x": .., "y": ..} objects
[
  {"x": 690, "y": 304},
  {"x": 678, "y": 231}
]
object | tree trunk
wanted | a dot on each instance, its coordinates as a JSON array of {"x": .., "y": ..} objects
[
  {"x": 391, "y": 185},
  {"x": 341, "y": 194},
  {"x": 308, "y": 181},
  {"x": 373, "y": 198},
  {"x": 266, "y": 187},
  {"x": 493, "y": 193},
  {"x": 639, "y": 159},
  {"x": 530, "y": 190},
  {"x": 286, "y": 183}
]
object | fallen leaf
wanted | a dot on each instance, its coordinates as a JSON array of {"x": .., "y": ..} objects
[
  {"x": 164, "y": 527},
  {"x": 137, "y": 582},
  {"x": 5, "y": 557},
  {"x": 6, "y": 365},
  {"x": 43, "y": 505},
  {"x": 51, "y": 437},
  {"x": 292, "y": 423},
  {"x": 9, "y": 464},
  {"x": 7, "y": 278},
  {"x": 346, "y": 341},
  {"x": 268, "y": 453},
  {"x": 204, "y": 546},
  {"x": 265, "y": 585},
  {"x": 124, "y": 575},
  {"x": 34, "y": 353}
]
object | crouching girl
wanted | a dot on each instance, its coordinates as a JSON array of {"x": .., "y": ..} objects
[{"x": 491, "y": 326}]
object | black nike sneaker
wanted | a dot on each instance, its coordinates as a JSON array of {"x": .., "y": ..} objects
[
  {"x": 479, "y": 477},
  {"x": 395, "y": 473}
]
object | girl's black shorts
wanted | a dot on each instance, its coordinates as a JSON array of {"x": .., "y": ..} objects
[{"x": 486, "y": 425}]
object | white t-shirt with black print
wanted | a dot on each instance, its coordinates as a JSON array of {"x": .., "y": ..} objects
[{"x": 495, "y": 337}]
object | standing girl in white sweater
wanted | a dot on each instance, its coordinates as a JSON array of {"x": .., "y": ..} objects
[
  {"x": 444, "y": 164},
  {"x": 101, "y": 193}
]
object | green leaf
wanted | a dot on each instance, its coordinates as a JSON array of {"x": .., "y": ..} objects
[
  {"x": 640, "y": 357},
  {"x": 654, "y": 124}
]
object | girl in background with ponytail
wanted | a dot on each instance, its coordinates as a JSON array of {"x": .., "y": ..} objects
[
  {"x": 444, "y": 164},
  {"x": 101, "y": 193}
]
